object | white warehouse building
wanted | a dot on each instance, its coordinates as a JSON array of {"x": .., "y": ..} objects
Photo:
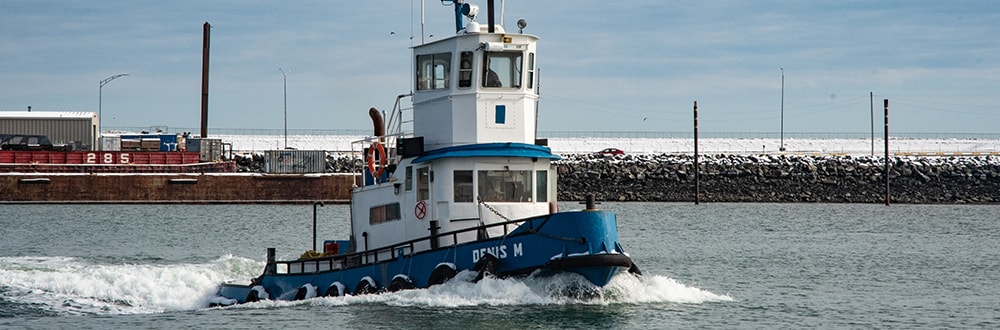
[{"x": 62, "y": 127}]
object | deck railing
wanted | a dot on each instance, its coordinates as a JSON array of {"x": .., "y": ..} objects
[{"x": 349, "y": 260}]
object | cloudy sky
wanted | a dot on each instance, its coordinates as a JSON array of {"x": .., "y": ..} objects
[{"x": 604, "y": 65}]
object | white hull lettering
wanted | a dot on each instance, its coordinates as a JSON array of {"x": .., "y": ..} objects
[{"x": 499, "y": 251}]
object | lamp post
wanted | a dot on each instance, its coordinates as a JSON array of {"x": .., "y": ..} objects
[
  {"x": 100, "y": 99},
  {"x": 782, "y": 138},
  {"x": 284, "y": 84}
]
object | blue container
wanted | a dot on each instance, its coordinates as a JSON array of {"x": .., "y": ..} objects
[{"x": 168, "y": 142}]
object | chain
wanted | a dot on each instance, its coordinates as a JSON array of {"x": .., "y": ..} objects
[{"x": 488, "y": 207}]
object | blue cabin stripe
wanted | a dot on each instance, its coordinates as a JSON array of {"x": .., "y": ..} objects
[{"x": 511, "y": 149}]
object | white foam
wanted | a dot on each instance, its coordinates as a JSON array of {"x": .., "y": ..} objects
[
  {"x": 548, "y": 290},
  {"x": 70, "y": 286}
]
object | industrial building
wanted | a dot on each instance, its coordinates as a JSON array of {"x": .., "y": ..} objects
[{"x": 75, "y": 128}]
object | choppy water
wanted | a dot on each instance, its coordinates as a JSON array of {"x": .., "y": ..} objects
[{"x": 709, "y": 265}]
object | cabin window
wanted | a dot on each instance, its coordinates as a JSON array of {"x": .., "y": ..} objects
[
  {"x": 433, "y": 71},
  {"x": 423, "y": 183},
  {"x": 383, "y": 213},
  {"x": 502, "y": 69},
  {"x": 500, "y": 117},
  {"x": 505, "y": 186},
  {"x": 465, "y": 70},
  {"x": 409, "y": 178},
  {"x": 531, "y": 70},
  {"x": 542, "y": 186},
  {"x": 463, "y": 186}
]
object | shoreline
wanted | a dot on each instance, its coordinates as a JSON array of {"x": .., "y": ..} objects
[{"x": 782, "y": 179}]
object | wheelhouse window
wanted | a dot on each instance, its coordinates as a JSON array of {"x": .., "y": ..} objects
[
  {"x": 463, "y": 186},
  {"x": 531, "y": 70},
  {"x": 409, "y": 178},
  {"x": 502, "y": 69},
  {"x": 383, "y": 213},
  {"x": 505, "y": 186},
  {"x": 433, "y": 71},
  {"x": 542, "y": 186},
  {"x": 465, "y": 70},
  {"x": 423, "y": 183}
]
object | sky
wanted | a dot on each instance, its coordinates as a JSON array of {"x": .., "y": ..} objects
[{"x": 752, "y": 66}]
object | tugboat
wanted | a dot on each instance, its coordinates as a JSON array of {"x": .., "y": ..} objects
[{"x": 469, "y": 189}]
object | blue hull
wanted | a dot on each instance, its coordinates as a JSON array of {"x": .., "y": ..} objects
[{"x": 583, "y": 242}]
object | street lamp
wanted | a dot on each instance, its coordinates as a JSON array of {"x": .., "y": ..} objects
[
  {"x": 782, "y": 139},
  {"x": 284, "y": 84},
  {"x": 100, "y": 101}
]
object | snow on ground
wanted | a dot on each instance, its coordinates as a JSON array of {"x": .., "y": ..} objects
[{"x": 901, "y": 146}]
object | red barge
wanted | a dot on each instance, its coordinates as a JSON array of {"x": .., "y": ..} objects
[{"x": 109, "y": 162}]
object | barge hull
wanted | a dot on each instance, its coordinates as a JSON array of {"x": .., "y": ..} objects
[{"x": 173, "y": 188}]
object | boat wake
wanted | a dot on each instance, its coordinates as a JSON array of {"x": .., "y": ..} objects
[{"x": 45, "y": 286}]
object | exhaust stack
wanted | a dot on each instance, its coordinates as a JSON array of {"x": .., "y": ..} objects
[{"x": 206, "y": 33}]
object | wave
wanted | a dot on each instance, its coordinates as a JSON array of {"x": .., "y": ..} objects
[{"x": 69, "y": 286}]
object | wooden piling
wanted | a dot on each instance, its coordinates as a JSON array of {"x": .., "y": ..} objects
[
  {"x": 887, "y": 165},
  {"x": 697, "y": 174}
]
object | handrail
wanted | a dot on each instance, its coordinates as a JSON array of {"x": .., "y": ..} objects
[
  {"x": 396, "y": 116},
  {"x": 350, "y": 260}
]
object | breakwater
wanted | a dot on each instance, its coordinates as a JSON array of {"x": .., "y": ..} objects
[
  {"x": 761, "y": 178},
  {"x": 781, "y": 178}
]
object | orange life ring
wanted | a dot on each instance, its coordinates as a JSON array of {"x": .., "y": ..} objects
[{"x": 380, "y": 150}]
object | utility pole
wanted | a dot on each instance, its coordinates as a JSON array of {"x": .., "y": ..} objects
[
  {"x": 887, "y": 165},
  {"x": 284, "y": 84},
  {"x": 782, "y": 139},
  {"x": 100, "y": 99},
  {"x": 697, "y": 174}
]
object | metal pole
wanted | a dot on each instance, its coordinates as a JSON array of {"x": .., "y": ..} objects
[
  {"x": 206, "y": 42},
  {"x": 871, "y": 101},
  {"x": 315, "y": 204},
  {"x": 100, "y": 99},
  {"x": 284, "y": 83},
  {"x": 886, "y": 152},
  {"x": 782, "y": 139},
  {"x": 697, "y": 175}
]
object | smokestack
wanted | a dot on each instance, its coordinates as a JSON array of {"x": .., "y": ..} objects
[
  {"x": 377, "y": 122},
  {"x": 489, "y": 12},
  {"x": 204, "y": 79}
]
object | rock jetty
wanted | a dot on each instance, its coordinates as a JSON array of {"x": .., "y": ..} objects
[{"x": 781, "y": 178}]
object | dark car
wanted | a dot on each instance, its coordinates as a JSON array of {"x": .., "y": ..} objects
[
  {"x": 25, "y": 142},
  {"x": 611, "y": 151}
]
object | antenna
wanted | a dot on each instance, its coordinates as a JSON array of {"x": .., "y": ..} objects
[{"x": 421, "y": 22}]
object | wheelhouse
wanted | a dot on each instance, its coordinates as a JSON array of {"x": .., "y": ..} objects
[{"x": 471, "y": 158}]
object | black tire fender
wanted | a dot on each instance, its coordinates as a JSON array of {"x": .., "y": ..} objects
[
  {"x": 302, "y": 292},
  {"x": 401, "y": 282},
  {"x": 442, "y": 273},
  {"x": 336, "y": 289},
  {"x": 486, "y": 265},
  {"x": 367, "y": 285},
  {"x": 634, "y": 270},
  {"x": 256, "y": 294}
]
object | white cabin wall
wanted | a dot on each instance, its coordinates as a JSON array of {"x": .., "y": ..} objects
[
  {"x": 435, "y": 123},
  {"x": 519, "y": 125},
  {"x": 459, "y": 116},
  {"x": 379, "y": 235}
]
